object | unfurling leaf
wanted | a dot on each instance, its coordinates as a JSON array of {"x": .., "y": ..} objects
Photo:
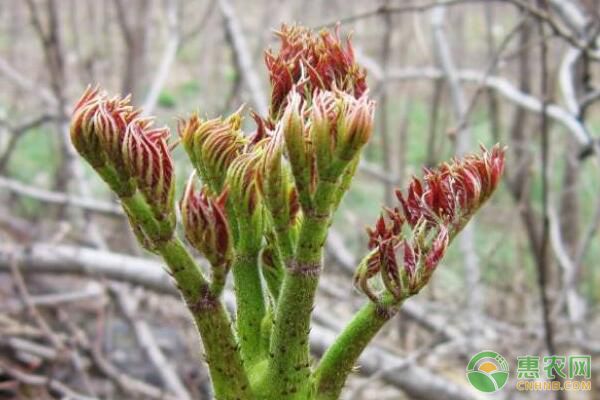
[{"x": 408, "y": 245}]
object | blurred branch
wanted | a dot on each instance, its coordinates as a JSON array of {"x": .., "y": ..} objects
[
  {"x": 70, "y": 177},
  {"x": 25, "y": 83},
  {"x": 416, "y": 381},
  {"x": 242, "y": 56},
  {"x": 493, "y": 63},
  {"x": 167, "y": 59},
  {"x": 57, "y": 342},
  {"x": 133, "y": 21},
  {"x": 59, "y": 198},
  {"x": 93, "y": 291},
  {"x": 373, "y": 171},
  {"x": 388, "y": 150},
  {"x": 40, "y": 321},
  {"x": 507, "y": 90},
  {"x": 543, "y": 261},
  {"x": 17, "y": 132},
  {"x": 543, "y": 16},
  {"x": 570, "y": 14},
  {"x": 203, "y": 22},
  {"x": 574, "y": 302},
  {"x": 129, "y": 305},
  {"x": 463, "y": 138},
  {"x": 386, "y": 9},
  {"x": 534, "y": 11},
  {"x": 590, "y": 98},
  {"x": 126, "y": 382},
  {"x": 42, "y": 381}
]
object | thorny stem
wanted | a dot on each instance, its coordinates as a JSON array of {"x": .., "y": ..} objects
[
  {"x": 339, "y": 360},
  {"x": 250, "y": 305},
  {"x": 290, "y": 359},
  {"x": 224, "y": 361}
]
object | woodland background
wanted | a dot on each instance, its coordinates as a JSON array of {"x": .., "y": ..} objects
[{"x": 86, "y": 314}]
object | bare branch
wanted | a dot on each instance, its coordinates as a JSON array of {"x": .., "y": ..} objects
[
  {"x": 148, "y": 343},
  {"x": 243, "y": 57},
  {"x": 167, "y": 59},
  {"x": 504, "y": 88},
  {"x": 39, "y": 380},
  {"x": 418, "y": 382},
  {"x": 61, "y": 198}
]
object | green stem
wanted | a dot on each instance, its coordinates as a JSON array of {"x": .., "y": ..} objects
[
  {"x": 142, "y": 215},
  {"x": 229, "y": 379},
  {"x": 250, "y": 304},
  {"x": 290, "y": 362},
  {"x": 290, "y": 358},
  {"x": 273, "y": 272},
  {"x": 225, "y": 364},
  {"x": 339, "y": 360},
  {"x": 187, "y": 274}
]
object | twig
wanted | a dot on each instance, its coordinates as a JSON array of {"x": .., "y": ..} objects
[
  {"x": 127, "y": 383},
  {"x": 588, "y": 237},
  {"x": 167, "y": 58},
  {"x": 70, "y": 174},
  {"x": 538, "y": 13},
  {"x": 543, "y": 259},
  {"x": 40, "y": 258},
  {"x": 56, "y": 341},
  {"x": 22, "y": 345},
  {"x": 23, "y": 82},
  {"x": 387, "y": 149},
  {"x": 462, "y": 140},
  {"x": 488, "y": 71},
  {"x": 146, "y": 340},
  {"x": 31, "y": 308},
  {"x": 373, "y": 171},
  {"x": 59, "y": 198},
  {"x": 543, "y": 16},
  {"x": 203, "y": 23},
  {"x": 93, "y": 291},
  {"x": 507, "y": 90},
  {"x": 38, "y": 380},
  {"x": 575, "y": 304},
  {"x": 243, "y": 58},
  {"x": 385, "y": 9},
  {"x": 17, "y": 132}
]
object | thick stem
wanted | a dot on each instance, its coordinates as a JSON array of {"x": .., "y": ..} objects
[
  {"x": 225, "y": 363},
  {"x": 290, "y": 359},
  {"x": 250, "y": 305},
  {"x": 187, "y": 274},
  {"x": 227, "y": 373},
  {"x": 339, "y": 360},
  {"x": 290, "y": 363}
]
